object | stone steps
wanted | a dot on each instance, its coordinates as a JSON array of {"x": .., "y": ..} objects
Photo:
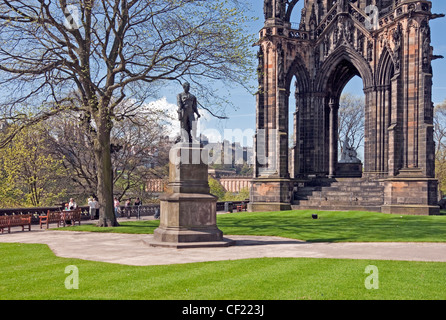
[
  {"x": 341, "y": 194},
  {"x": 316, "y": 203},
  {"x": 345, "y": 194},
  {"x": 337, "y": 208}
]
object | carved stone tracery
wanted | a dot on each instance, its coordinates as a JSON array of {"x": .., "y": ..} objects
[{"x": 334, "y": 42}]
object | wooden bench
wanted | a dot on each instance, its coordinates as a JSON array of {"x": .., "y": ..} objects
[
  {"x": 51, "y": 217},
  {"x": 4, "y": 222},
  {"x": 72, "y": 216},
  {"x": 22, "y": 220},
  {"x": 61, "y": 217}
]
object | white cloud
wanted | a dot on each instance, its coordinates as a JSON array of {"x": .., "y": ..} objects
[{"x": 170, "y": 110}]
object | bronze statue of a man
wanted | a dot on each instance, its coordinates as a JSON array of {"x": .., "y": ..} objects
[{"x": 187, "y": 107}]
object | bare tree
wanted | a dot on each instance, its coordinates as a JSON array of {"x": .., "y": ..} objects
[
  {"x": 88, "y": 56},
  {"x": 143, "y": 149},
  {"x": 351, "y": 120},
  {"x": 440, "y": 127},
  {"x": 139, "y": 151},
  {"x": 73, "y": 147},
  {"x": 440, "y": 144}
]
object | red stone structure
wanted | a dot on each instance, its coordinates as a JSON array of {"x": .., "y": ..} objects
[
  {"x": 388, "y": 44},
  {"x": 235, "y": 183}
]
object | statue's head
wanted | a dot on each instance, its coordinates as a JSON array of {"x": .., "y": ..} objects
[{"x": 186, "y": 86}]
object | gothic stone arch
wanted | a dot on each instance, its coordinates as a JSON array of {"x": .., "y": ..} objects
[{"x": 335, "y": 41}]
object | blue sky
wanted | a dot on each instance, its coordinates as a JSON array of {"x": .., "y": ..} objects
[{"x": 244, "y": 116}]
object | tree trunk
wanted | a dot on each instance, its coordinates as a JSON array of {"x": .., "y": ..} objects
[{"x": 107, "y": 216}]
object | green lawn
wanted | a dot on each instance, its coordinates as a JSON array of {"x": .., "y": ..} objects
[
  {"x": 32, "y": 271},
  {"x": 352, "y": 226},
  {"x": 335, "y": 226}
]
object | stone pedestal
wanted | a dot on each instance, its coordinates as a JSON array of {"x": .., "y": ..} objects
[
  {"x": 188, "y": 210},
  {"x": 411, "y": 193},
  {"x": 349, "y": 170},
  {"x": 270, "y": 194}
]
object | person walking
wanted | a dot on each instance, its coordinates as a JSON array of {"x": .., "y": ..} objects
[
  {"x": 94, "y": 206},
  {"x": 128, "y": 203},
  {"x": 138, "y": 204},
  {"x": 116, "y": 204}
]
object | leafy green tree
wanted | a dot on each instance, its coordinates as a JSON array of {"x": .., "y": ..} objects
[
  {"x": 9, "y": 195},
  {"x": 216, "y": 189},
  {"x": 30, "y": 176},
  {"x": 240, "y": 196},
  {"x": 243, "y": 194}
]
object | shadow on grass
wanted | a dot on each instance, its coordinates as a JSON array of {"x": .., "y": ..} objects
[{"x": 337, "y": 226}]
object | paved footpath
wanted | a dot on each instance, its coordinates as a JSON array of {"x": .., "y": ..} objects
[{"x": 130, "y": 249}]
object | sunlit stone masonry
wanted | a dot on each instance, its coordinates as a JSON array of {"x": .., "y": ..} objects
[{"x": 387, "y": 43}]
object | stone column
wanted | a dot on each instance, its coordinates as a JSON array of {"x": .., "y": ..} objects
[
  {"x": 296, "y": 130},
  {"x": 394, "y": 161},
  {"x": 387, "y": 124},
  {"x": 271, "y": 185},
  {"x": 333, "y": 136},
  {"x": 282, "y": 134},
  {"x": 370, "y": 133}
]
